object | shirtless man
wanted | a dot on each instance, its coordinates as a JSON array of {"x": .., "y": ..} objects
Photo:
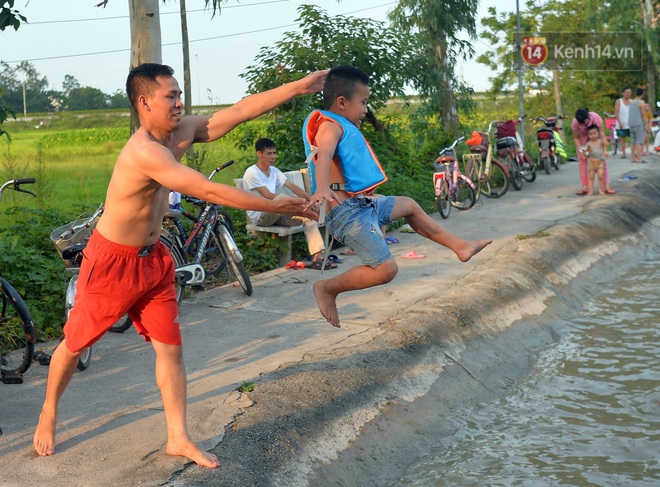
[{"x": 124, "y": 250}]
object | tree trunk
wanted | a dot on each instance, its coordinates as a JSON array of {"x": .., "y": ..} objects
[
  {"x": 650, "y": 25},
  {"x": 448, "y": 101},
  {"x": 187, "y": 90},
  {"x": 145, "y": 39}
]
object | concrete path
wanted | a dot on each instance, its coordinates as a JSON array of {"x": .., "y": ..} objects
[{"x": 111, "y": 426}]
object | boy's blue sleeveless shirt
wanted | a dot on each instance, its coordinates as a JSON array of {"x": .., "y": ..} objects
[{"x": 359, "y": 165}]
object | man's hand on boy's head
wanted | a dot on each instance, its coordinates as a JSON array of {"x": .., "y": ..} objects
[
  {"x": 313, "y": 82},
  {"x": 289, "y": 205}
]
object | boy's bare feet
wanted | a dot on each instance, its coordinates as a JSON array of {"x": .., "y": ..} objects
[
  {"x": 191, "y": 451},
  {"x": 472, "y": 248},
  {"x": 44, "y": 436},
  {"x": 327, "y": 303}
]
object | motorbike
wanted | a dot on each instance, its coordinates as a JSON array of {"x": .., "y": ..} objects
[
  {"x": 548, "y": 139},
  {"x": 511, "y": 150}
]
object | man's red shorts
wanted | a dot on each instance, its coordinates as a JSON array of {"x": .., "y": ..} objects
[{"x": 114, "y": 280}]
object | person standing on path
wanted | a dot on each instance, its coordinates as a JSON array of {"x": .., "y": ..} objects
[
  {"x": 638, "y": 123},
  {"x": 621, "y": 114},
  {"x": 580, "y": 127},
  {"x": 126, "y": 269}
]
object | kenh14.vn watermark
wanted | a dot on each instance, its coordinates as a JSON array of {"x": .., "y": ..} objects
[{"x": 582, "y": 51}]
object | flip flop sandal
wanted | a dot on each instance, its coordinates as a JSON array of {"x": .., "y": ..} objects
[
  {"x": 41, "y": 358},
  {"x": 391, "y": 240},
  {"x": 318, "y": 265},
  {"x": 582, "y": 192},
  {"x": 295, "y": 265},
  {"x": 610, "y": 191},
  {"x": 334, "y": 259},
  {"x": 413, "y": 255},
  {"x": 407, "y": 229}
]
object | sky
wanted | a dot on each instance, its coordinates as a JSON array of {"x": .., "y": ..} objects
[{"x": 92, "y": 44}]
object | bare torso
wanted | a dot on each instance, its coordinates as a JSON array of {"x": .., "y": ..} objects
[{"x": 135, "y": 202}]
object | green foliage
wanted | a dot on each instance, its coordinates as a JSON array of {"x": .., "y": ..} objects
[
  {"x": 86, "y": 136},
  {"x": 323, "y": 41},
  {"x": 29, "y": 261},
  {"x": 10, "y": 17}
]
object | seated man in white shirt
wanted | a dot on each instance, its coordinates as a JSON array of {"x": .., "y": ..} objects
[{"x": 265, "y": 179}]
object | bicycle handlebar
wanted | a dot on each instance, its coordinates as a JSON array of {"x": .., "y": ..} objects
[
  {"x": 609, "y": 115},
  {"x": 451, "y": 147},
  {"x": 15, "y": 184},
  {"x": 220, "y": 168}
]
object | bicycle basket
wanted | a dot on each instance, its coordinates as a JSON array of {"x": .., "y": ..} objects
[{"x": 65, "y": 236}]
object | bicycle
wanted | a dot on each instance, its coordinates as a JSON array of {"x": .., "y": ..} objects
[
  {"x": 452, "y": 188},
  {"x": 612, "y": 137},
  {"x": 18, "y": 333},
  {"x": 210, "y": 245},
  {"x": 490, "y": 176},
  {"x": 71, "y": 239}
]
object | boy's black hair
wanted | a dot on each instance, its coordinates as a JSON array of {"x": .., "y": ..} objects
[
  {"x": 142, "y": 80},
  {"x": 592, "y": 126},
  {"x": 342, "y": 81},
  {"x": 263, "y": 144}
]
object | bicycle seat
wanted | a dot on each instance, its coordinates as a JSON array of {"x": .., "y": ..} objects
[
  {"x": 446, "y": 160},
  {"x": 72, "y": 251},
  {"x": 505, "y": 142},
  {"x": 176, "y": 214},
  {"x": 478, "y": 149}
]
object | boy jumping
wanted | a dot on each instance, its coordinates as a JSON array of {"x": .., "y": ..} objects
[{"x": 342, "y": 173}]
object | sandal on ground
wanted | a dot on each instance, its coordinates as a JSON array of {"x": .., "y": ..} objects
[
  {"x": 41, "y": 358},
  {"x": 318, "y": 265},
  {"x": 391, "y": 240},
  {"x": 412, "y": 255},
  {"x": 610, "y": 191},
  {"x": 334, "y": 259},
  {"x": 295, "y": 265},
  {"x": 582, "y": 192},
  {"x": 407, "y": 229}
]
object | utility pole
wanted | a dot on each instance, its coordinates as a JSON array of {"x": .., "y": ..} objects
[
  {"x": 521, "y": 101},
  {"x": 24, "y": 101}
]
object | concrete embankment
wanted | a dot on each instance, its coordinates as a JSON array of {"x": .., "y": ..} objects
[
  {"x": 356, "y": 415},
  {"x": 342, "y": 406}
]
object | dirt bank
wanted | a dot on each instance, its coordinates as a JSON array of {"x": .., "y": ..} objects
[{"x": 322, "y": 420}]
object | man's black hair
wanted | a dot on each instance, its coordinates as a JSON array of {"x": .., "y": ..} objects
[
  {"x": 263, "y": 144},
  {"x": 639, "y": 91},
  {"x": 142, "y": 80},
  {"x": 582, "y": 114},
  {"x": 342, "y": 81}
]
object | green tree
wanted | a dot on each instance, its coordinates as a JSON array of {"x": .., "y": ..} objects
[
  {"x": 86, "y": 98},
  {"x": 119, "y": 100},
  {"x": 437, "y": 26},
  {"x": 8, "y": 16},
  {"x": 325, "y": 41}
]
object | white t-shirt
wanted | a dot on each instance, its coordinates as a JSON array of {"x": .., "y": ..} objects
[
  {"x": 623, "y": 113},
  {"x": 255, "y": 178}
]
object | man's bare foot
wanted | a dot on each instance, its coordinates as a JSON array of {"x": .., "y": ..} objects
[
  {"x": 472, "y": 248},
  {"x": 192, "y": 452},
  {"x": 327, "y": 304},
  {"x": 44, "y": 436}
]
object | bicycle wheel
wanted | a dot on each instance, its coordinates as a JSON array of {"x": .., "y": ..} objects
[
  {"x": 495, "y": 180},
  {"x": 178, "y": 259},
  {"x": 17, "y": 333},
  {"x": 464, "y": 197},
  {"x": 214, "y": 260},
  {"x": 233, "y": 257},
  {"x": 123, "y": 324},
  {"x": 514, "y": 173},
  {"x": 442, "y": 200},
  {"x": 615, "y": 146}
]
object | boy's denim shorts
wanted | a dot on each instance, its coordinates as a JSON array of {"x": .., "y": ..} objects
[{"x": 359, "y": 227}]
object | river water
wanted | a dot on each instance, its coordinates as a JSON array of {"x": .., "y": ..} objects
[{"x": 587, "y": 415}]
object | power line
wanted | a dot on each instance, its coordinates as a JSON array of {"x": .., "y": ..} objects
[
  {"x": 66, "y": 56},
  {"x": 161, "y": 13}
]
